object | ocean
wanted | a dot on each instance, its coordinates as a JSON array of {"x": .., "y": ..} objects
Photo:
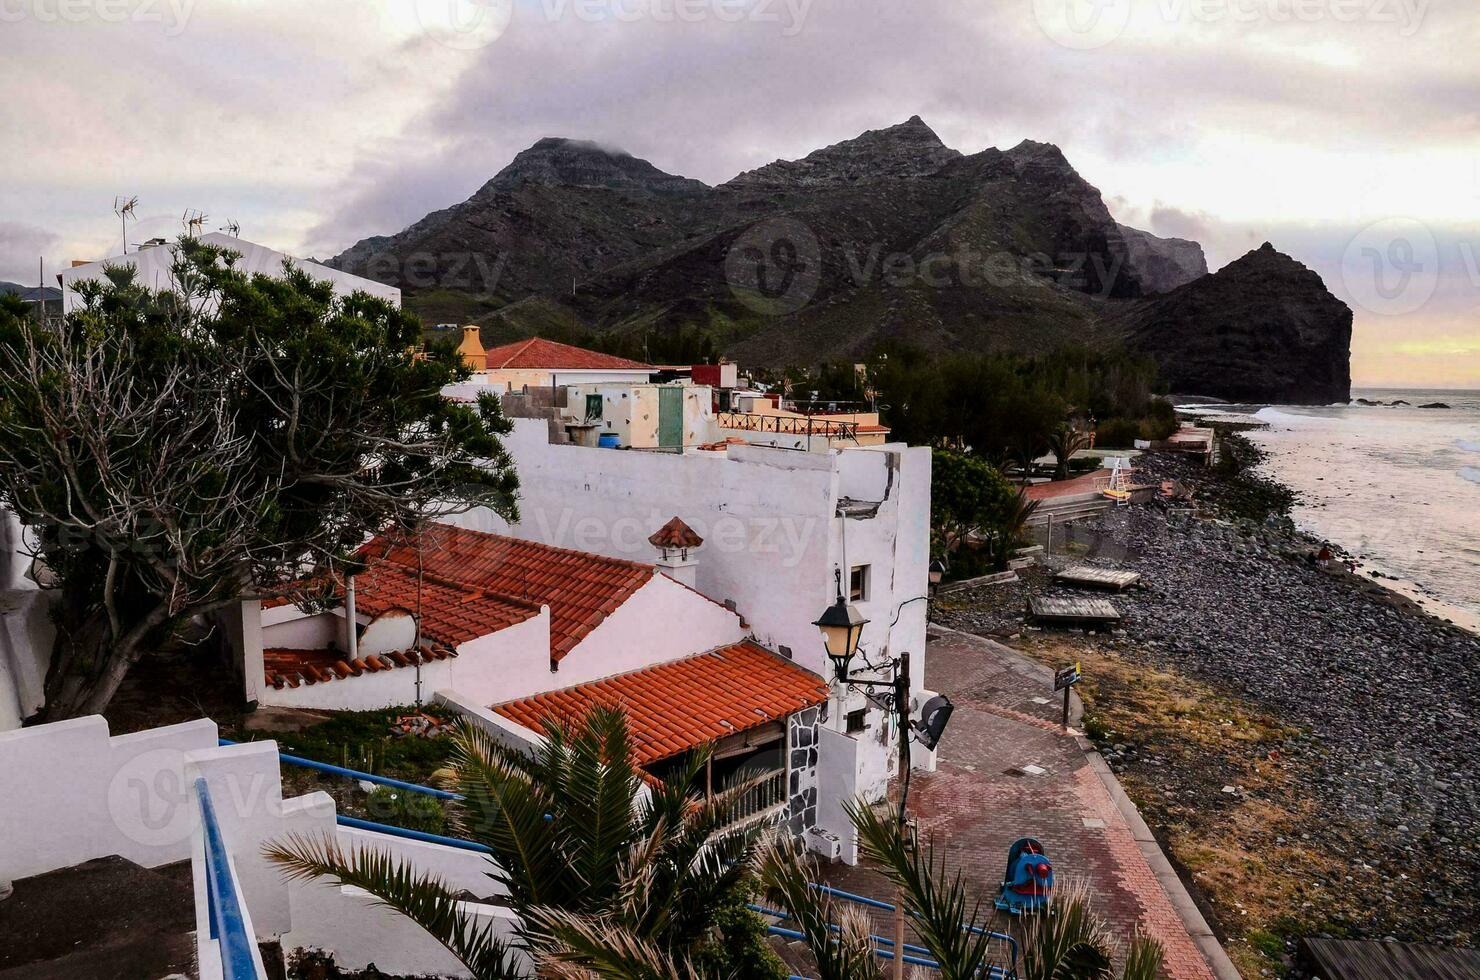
[{"x": 1398, "y": 486}]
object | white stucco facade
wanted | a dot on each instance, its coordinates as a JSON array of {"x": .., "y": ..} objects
[
  {"x": 153, "y": 267},
  {"x": 775, "y": 535}
]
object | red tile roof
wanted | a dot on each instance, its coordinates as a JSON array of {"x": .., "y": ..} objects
[
  {"x": 290, "y": 668},
  {"x": 452, "y": 612},
  {"x": 675, "y": 534},
  {"x": 539, "y": 354},
  {"x": 677, "y": 706},
  {"x": 580, "y": 588}
]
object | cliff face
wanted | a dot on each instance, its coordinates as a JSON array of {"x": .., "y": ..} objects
[
  {"x": 1262, "y": 329},
  {"x": 1163, "y": 263},
  {"x": 896, "y": 237}
]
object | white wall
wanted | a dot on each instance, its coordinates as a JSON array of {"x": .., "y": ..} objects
[
  {"x": 74, "y": 794},
  {"x": 661, "y": 622},
  {"x": 154, "y": 264},
  {"x": 26, "y": 635}
]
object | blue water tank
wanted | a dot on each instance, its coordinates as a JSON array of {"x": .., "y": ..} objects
[{"x": 608, "y": 440}]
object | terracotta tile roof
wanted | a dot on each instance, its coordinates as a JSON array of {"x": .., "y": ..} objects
[
  {"x": 290, "y": 668},
  {"x": 677, "y": 706},
  {"x": 452, "y": 613},
  {"x": 539, "y": 354},
  {"x": 675, "y": 534},
  {"x": 580, "y": 588}
]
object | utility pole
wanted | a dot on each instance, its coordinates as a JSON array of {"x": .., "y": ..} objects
[{"x": 902, "y": 714}]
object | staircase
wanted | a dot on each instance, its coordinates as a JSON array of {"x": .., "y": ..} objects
[
  {"x": 100, "y": 920},
  {"x": 1071, "y": 507}
]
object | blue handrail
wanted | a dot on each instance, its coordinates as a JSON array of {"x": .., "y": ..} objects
[
  {"x": 368, "y": 777},
  {"x": 1012, "y": 944},
  {"x": 228, "y": 922},
  {"x": 385, "y": 828}
]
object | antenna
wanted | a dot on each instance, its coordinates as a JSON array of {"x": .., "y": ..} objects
[
  {"x": 192, "y": 221},
  {"x": 232, "y": 228},
  {"x": 124, "y": 208}
]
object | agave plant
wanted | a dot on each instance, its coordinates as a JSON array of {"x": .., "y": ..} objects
[{"x": 574, "y": 841}]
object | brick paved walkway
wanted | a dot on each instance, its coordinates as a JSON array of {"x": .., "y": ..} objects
[{"x": 978, "y": 802}]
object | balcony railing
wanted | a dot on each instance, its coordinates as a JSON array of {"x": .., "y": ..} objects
[
  {"x": 761, "y": 797},
  {"x": 788, "y": 425}
]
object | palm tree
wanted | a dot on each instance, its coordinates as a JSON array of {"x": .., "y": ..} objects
[
  {"x": 1064, "y": 442},
  {"x": 1010, "y": 526},
  {"x": 1071, "y": 944},
  {"x": 572, "y": 838}
]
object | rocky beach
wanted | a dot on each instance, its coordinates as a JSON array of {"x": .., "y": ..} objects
[{"x": 1301, "y": 738}]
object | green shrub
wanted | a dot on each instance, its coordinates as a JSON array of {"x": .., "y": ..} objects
[
  {"x": 1161, "y": 422},
  {"x": 413, "y": 811},
  {"x": 741, "y": 951},
  {"x": 1117, "y": 433},
  {"x": 1086, "y": 464}
]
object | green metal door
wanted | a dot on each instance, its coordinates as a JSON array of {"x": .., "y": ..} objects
[{"x": 670, "y": 417}]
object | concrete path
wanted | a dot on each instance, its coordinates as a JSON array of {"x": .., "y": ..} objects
[{"x": 981, "y": 799}]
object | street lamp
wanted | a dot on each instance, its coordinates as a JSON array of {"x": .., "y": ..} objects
[
  {"x": 842, "y": 629},
  {"x": 937, "y": 572}
]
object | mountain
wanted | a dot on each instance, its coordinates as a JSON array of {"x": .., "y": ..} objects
[
  {"x": 1262, "y": 329},
  {"x": 28, "y": 293},
  {"x": 888, "y": 237}
]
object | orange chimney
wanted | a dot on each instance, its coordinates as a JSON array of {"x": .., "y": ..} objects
[{"x": 471, "y": 349}]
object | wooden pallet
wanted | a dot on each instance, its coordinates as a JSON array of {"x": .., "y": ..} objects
[
  {"x": 1097, "y": 578},
  {"x": 1072, "y": 611}
]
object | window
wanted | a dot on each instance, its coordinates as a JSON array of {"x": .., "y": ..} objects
[
  {"x": 858, "y": 584},
  {"x": 593, "y": 406},
  {"x": 857, "y": 721}
]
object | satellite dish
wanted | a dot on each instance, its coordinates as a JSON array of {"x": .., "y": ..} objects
[{"x": 933, "y": 718}]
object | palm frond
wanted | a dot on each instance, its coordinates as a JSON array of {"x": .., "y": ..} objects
[
  {"x": 1070, "y": 943},
  {"x": 1143, "y": 960},
  {"x": 583, "y": 947},
  {"x": 936, "y": 900},
  {"x": 843, "y": 954},
  {"x": 423, "y": 898}
]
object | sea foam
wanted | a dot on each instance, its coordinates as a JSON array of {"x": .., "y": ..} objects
[
  {"x": 1471, "y": 473},
  {"x": 1468, "y": 445}
]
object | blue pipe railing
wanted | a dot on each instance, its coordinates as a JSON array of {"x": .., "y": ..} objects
[
  {"x": 223, "y": 901},
  {"x": 421, "y": 835},
  {"x": 368, "y": 777},
  {"x": 1012, "y": 944}
]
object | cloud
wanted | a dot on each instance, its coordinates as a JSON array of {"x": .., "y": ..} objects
[{"x": 20, "y": 246}]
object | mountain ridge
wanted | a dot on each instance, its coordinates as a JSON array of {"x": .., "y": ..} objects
[{"x": 899, "y": 238}]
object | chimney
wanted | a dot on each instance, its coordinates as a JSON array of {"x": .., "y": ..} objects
[
  {"x": 471, "y": 349},
  {"x": 675, "y": 541},
  {"x": 351, "y": 627}
]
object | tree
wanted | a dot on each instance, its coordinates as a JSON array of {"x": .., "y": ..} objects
[
  {"x": 1064, "y": 441},
  {"x": 577, "y": 847},
  {"x": 230, "y": 435},
  {"x": 966, "y": 496},
  {"x": 1007, "y": 526}
]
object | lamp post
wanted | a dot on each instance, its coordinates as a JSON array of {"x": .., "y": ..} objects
[{"x": 841, "y": 625}]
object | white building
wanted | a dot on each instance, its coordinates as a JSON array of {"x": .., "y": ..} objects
[
  {"x": 780, "y": 527},
  {"x": 154, "y": 264},
  {"x": 540, "y": 363}
]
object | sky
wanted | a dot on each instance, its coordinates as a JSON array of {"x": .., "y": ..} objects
[{"x": 1346, "y": 132}]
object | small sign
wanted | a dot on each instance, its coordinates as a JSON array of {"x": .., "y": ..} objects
[{"x": 1066, "y": 677}]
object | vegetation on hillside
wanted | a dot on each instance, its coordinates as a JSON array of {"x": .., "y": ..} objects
[{"x": 174, "y": 450}]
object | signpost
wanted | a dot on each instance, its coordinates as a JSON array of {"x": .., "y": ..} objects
[{"x": 1063, "y": 680}]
